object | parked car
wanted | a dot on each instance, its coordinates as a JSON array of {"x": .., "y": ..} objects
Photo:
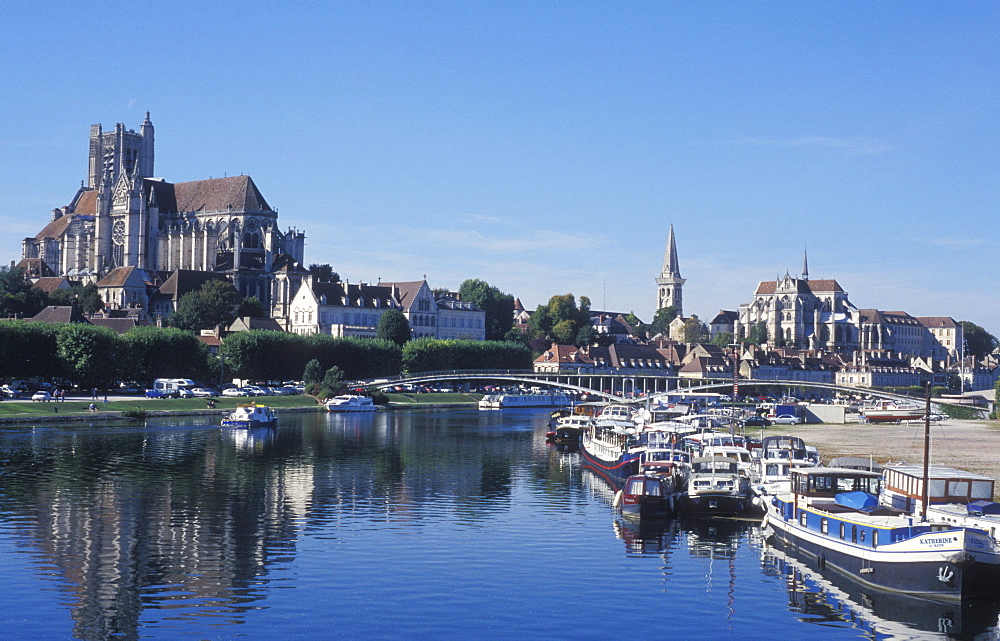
[
  {"x": 9, "y": 392},
  {"x": 255, "y": 390},
  {"x": 235, "y": 391},
  {"x": 786, "y": 419},
  {"x": 204, "y": 392},
  {"x": 155, "y": 393},
  {"x": 41, "y": 395},
  {"x": 757, "y": 421}
]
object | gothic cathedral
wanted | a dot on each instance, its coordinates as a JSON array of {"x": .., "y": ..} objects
[{"x": 126, "y": 218}]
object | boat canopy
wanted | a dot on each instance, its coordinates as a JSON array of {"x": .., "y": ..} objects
[
  {"x": 983, "y": 507},
  {"x": 857, "y": 500}
]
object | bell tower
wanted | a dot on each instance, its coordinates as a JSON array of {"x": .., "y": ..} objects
[{"x": 669, "y": 283}]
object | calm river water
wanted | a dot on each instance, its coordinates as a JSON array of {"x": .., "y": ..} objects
[{"x": 432, "y": 524}]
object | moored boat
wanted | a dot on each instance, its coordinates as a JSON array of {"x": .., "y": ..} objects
[
  {"x": 251, "y": 415},
  {"x": 612, "y": 449},
  {"x": 350, "y": 403},
  {"x": 716, "y": 487},
  {"x": 649, "y": 495},
  {"x": 833, "y": 516},
  {"x": 530, "y": 399}
]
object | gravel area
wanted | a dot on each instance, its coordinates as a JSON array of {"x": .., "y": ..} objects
[{"x": 967, "y": 445}]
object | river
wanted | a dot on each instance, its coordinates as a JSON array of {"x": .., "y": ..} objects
[{"x": 417, "y": 524}]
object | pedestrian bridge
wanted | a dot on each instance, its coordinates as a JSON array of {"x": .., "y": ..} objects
[{"x": 616, "y": 387}]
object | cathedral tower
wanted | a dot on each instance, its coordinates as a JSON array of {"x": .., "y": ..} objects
[{"x": 669, "y": 282}]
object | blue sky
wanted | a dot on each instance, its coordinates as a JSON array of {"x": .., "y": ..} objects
[{"x": 546, "y": 147}]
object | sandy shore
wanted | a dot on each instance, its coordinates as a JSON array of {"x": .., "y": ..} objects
[{"x": 966, "y": 445}]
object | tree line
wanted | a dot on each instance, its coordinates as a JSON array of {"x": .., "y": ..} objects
[{"x": 93, "y": 356}]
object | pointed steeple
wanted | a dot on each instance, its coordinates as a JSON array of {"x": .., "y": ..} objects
[
  {"x": 671, "y": 266},
  {"x": 805, "y": 265},
  {"x": 669, "y": 282}
]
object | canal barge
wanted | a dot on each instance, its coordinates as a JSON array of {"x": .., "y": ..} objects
[{"x": 834, "y": 517}]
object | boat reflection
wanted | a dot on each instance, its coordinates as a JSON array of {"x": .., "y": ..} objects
[
  {"x": 647, "y": 537},
  {"x": 252, "y": 439},
  {"x": 830, "y": 598}
]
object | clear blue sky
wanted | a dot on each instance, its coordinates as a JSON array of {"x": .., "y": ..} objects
[{"x": 545, "y": 147}]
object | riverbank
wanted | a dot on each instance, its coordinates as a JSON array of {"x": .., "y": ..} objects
[
  {"x": 126, "y": 408},
  {"x": 970, "y": 445}
]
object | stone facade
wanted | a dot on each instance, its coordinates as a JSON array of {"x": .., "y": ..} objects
[{"x": 124, "y": 217}]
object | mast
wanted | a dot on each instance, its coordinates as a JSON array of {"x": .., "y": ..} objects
[{"x": 925, "y": 494}]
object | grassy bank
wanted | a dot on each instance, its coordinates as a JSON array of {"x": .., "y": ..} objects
[{"x": 73, "y": 407}]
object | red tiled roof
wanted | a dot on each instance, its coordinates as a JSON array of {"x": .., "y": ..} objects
[
  {"x": 238, "y": 193},
  {"x": 815, "y": 286}
]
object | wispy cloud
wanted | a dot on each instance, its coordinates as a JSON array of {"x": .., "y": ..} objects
[{"x": 849, "y": 145}]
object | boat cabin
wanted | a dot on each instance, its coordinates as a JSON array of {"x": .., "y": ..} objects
[
  {"x": 828, "y": 482},
  {"x": 904, "y": 487}
]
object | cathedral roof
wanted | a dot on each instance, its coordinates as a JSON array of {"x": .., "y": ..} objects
[
  {"x": 86, "y": 202},
  {"x": 219, "y": 194},
  {"x": 55, "y": 229},
  {"x": 768, "y": 287}
]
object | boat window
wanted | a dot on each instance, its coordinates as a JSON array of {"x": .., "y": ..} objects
[
  {"x": 841, "y": 530},
  {"x": 854, "y": 533},
  {"x": 803, "y": 518},
  {"x": 635, "y": 487},
  {"x": 874, "y": 538},
  {"x": 823, "y": 526},
  {"x": 653, "y": 488}
]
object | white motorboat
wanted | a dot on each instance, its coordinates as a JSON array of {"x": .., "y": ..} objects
[
  {"x": 251, "y": 415},
  {"x": 350, "y": 403}
]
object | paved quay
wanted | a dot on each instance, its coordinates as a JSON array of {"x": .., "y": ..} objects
[{"x": 967, "y": 445}]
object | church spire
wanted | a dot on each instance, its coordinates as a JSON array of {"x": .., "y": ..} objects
[
  {"x": 669, "y": 283},
  {"x": 805, "y": 265},
  {"x": 671, "y": 267}
]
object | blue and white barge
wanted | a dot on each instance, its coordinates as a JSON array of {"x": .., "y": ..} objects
[{"x": 833, "y": 515}]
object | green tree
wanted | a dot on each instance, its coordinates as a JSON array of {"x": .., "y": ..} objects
[
  {"x": 17, "y": 297},
  {"x": 324, "y": 273},
  {"x": 333, "y": 382},
  {"x": 978, "y": 341},
  {"x": 162, "y": 352},
  {"x": 91, "y": 355},
  {"x": 639, "y": 329},
  {"x": 585, "y": 336},
  {"x": 251, "y": 307},
  {"x": 29, "y": 349},
  {"x": 85, "y": 298},
  {"x": 393, "y": 326},
  {"x": 758, "y": 334},
  {"x": 722, "y": 339},
  {"x": 498, "y": 306},
  {"x": 662, "y": 319},
  {"x": 559, "y": 319},
  {"x": 214, "y": 303},
  {"x": 695, "y": 331},
  {"x": 313, "y": 372}
]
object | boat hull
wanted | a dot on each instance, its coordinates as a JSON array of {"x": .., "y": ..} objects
[
  {"x": 625, "y": 465},
  {"x": 949, "y": 572},
  {"x": 715, "y": 504}
]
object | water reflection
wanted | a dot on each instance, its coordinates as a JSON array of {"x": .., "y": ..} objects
[
  {"x": 830, "y": 598},
  {"x": 155, "y": 525}
]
